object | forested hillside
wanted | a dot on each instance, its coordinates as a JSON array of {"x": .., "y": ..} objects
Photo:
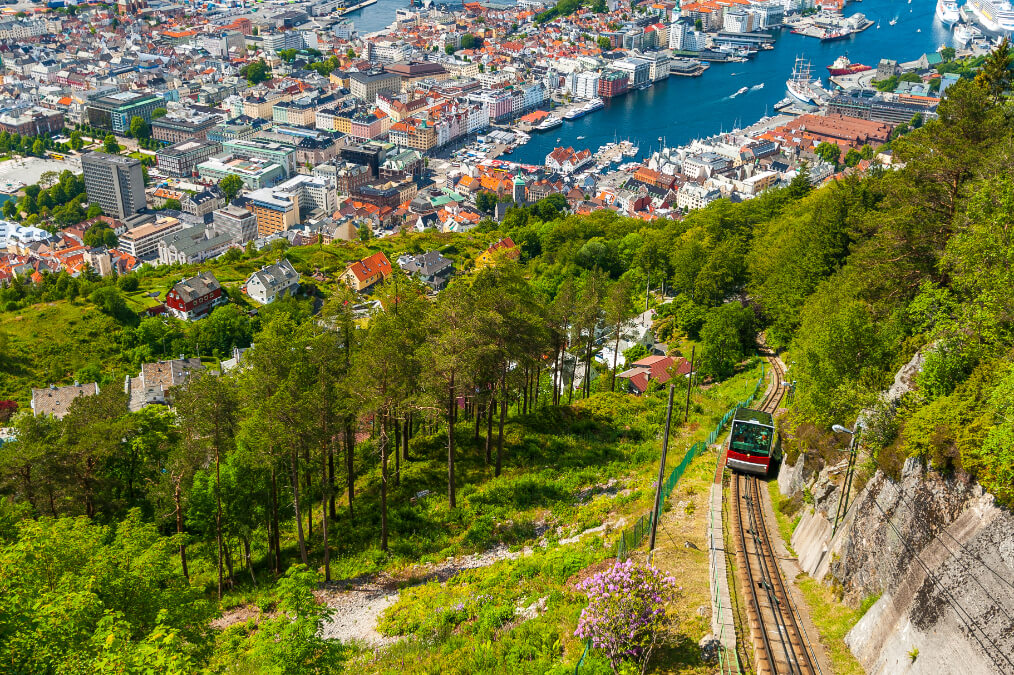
[{"x": 125, "y": 534}]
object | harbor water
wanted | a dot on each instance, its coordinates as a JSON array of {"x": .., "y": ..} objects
[{"x": 680, "y": 109}]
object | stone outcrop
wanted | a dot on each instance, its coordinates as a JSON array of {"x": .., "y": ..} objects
[{"x": 938, "y": 551}]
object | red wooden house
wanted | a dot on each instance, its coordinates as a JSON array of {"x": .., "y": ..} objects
[{"x": 194, "y": 298}]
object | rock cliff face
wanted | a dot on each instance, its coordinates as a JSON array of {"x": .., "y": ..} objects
[{"x": 937, "y": 550}]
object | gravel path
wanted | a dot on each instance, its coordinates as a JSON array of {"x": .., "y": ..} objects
[{"x": 359, "y": 602}]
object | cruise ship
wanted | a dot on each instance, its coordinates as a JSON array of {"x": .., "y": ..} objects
[
  {"x": 996, "y": 16},
  {"x": 594, "y": 104},
  {"x": 947, "y": 12}
]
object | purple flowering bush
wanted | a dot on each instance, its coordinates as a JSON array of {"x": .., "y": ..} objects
[{"x": 626, "y": 609}]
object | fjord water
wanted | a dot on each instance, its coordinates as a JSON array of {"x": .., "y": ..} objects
[{"x": 680, "y": 109}]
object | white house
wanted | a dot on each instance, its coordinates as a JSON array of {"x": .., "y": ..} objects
[{"x": 273, "y": 282}]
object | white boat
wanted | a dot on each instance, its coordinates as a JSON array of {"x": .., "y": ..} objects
[
  {"x": 742, "y": 90},
  {"x": 550, "y": 122},
  {"x": 799, "y": 86},
  {"x": 574, "y": 113},
  {"x": 947, "y": 12},
  {"x": 964, "y": 33},
  {"x": 757, "y": 87},
  {"x": 595, "y": 104},
  {"x": 893, "y": 22},
  {"x": 580, "y": 138},
  {"x": 996, "y": 16}
]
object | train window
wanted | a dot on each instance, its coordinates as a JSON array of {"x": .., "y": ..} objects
[{"x": 751, "y": 438}]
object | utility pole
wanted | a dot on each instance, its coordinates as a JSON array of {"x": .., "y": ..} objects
[
  {"x": 661, "y": 472},
  {"x": 843, "y": 501},
  {"x": 690, "y": 381}
]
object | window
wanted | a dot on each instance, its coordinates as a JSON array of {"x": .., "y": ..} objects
[{"x": 754, "y": 439}]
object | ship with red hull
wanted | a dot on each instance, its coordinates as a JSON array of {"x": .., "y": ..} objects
[{"x": 842, "y": 66}]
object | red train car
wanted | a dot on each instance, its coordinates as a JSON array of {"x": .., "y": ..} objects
[{"x": 754, "y": 445}]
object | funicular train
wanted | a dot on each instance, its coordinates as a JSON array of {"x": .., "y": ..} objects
[{"x": 754, "y": 444}]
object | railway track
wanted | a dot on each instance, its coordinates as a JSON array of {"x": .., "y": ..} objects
[{"x": 780, "y": 645}]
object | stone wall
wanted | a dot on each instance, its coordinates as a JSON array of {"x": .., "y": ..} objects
[{"x": 938, "y": 551}]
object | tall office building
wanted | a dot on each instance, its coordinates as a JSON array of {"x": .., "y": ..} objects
[{"x": 115, "y": 183}]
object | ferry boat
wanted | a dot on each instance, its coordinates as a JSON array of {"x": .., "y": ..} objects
[
  {"x": 595, "y": 104},
  {"x": 842, "y": 66},
  {"x": 574, "y": 113},
  {"x": 996, "y": 16},
  {"x": 550, "y": 122},
  {"x": 799, "y": 85},
  {"x": 963, "y": 34},
  {"x": 947, "y": 12}
]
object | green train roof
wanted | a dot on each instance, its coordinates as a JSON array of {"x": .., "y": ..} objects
[{"x": 756, "y": 416}]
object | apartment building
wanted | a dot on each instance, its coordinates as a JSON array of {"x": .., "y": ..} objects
[
  {"x": 115, "y": 111},
  {"x": 312, "y": 193},
  {"x": 267, "y": 151},
  {"x": 238, "y": 223},
  {"x": 365, "y": 86},
  {"x": 182, "y": 159},
  {"x": 181, "y": 127},
  {"x": 142, "y": 242},
  {"x": 115, "y": 183},
  {"x": 254, "y": 173},
  {"x": 275, "y": 211}
]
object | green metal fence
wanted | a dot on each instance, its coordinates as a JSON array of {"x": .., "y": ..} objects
[
  {"x": 632, "y": 537},
  {"x": 727, "y": 659}
]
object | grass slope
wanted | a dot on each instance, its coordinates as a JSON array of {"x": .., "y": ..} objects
[
  {"x": 51, "y": 342},
  {"x": 556, "y": 485}
]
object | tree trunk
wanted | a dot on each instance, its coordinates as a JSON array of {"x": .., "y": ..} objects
[
  {"x": 350, "y": 469},
  {"x": 249, "y": 561},
  {"x": 616, "y": 353},
  {"x": 218, "y": 517},
  {"x": 405, "y": 435},
  {"x": 397, "y": 455},
  {"x": 330, "y": 480},
  {"x": 294, "y": 474},
  {"x": 489, "y": 428},
  {"x": 503, "y": 418},
  {"x": 524, "y": 394},
  {"x": 570, "y": 383},
  {"x": 275, "y": 537},
  {"x": 178, "y": 502},
  {"x": 556, "y": 375},
  {"x": 228, "y": 564},
  {"x": 326, "y": 498},
  {"x": 478, "y": 420},
  {"x": 308, "y": 484},
  {"x": 383, "y": 487},
  {"x": 451, "y": 408}
]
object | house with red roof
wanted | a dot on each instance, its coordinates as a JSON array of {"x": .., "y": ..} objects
[
  {"x": 365, "y": 273},
  {"x": 568, "y": 160},
  {"x": 653, "y": 368},
  {"x": 505, "y": 248}
]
